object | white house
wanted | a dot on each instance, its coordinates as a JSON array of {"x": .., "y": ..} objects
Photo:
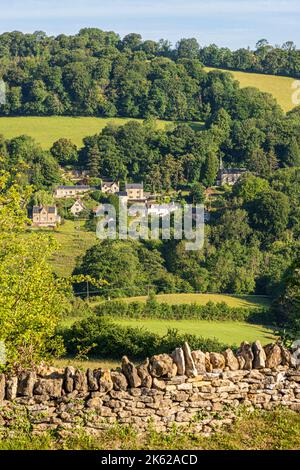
[
  {"x": 156, "y": 210},
  {"x": 77, "y": 207},
  {"x": 163, "y": 210}
]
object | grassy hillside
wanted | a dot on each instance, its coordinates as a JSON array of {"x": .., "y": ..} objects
[
  {"x": 279, "y": 87},
  {"x": 73, "y": 241},
  {"x": 202, "y": 299},
  {"x": 228, "y": 332},
  {"x": 46, "y": 130}
]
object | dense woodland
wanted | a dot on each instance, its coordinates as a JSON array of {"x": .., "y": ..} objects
[{"x": 97, "y": 73}]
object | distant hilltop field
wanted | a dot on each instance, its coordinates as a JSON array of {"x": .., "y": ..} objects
[
  {"x": 279, "y": 87},
  {"x": 48, "y": 129}
]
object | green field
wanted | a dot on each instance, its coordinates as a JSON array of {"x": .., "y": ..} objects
[
  {"x": 245, "y": 301},
  {"x": 279, "y": 87},
  {"x": 46, "y": 130},
  {"x": 230, "y": 332}
]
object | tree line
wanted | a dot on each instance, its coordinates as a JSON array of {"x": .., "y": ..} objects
[
  {"x": 260, "y": 140},
  {"x": 268, "y": 59},
  {"x": 96, "y": 73}
]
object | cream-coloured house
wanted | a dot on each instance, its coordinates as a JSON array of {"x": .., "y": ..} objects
[
  {"x": 77, "y": 208},
  {"x": 71, "y": 191},
  {"x": 135, "y": 191},
  {"x": 110, "y": 187},
  {"x": 45, "y": 216}
]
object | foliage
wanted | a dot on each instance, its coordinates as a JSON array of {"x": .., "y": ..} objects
[
  {"x": 96, "y": 73},
  {"x": 154, "y": 309},
  {"x": 249, "y": 187},
  {"x": 270, "y": 214},
  {"x": 104, "y": 338},
  {"x": 128, "y": 267},
  {"x": 197, "y": 193},
  {"x": 65, "y": 152},
  {"x": 182, "y": 156},
  {"x": 276, "y": 60},
  {"x": 252, "y": 239},
  {"x": 33, "y": 165},
  {"x": 287, "y": 306},
  {"x": 31, "y": 300}
]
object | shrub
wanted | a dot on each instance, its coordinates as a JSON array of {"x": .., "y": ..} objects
[{"x": 104, "y": 338}]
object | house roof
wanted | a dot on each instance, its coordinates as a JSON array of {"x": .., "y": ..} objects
[
  {"x": 134, "y": 186},
  {"x": 109, "y": 183},
  {"x": 122, "y": 193},
  {"x": 49, "y": 209},
  {"x": 78, "y": 186},
  {"x": 80, "y": 203}
]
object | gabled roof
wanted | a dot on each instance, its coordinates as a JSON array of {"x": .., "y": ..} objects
[
  {"x": 109, "y": 183},
  {"x": 134, "y": 186},
  {"x": 48, "y": 209},
  {"x": 78, "y": 202}
]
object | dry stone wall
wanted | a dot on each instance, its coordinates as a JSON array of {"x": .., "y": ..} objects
[{"x": 186, "y": 387}]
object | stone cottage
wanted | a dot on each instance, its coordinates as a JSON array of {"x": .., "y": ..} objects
[
  {"x": 45, "y": 216},
  {"x": 135, "y": 191}
]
